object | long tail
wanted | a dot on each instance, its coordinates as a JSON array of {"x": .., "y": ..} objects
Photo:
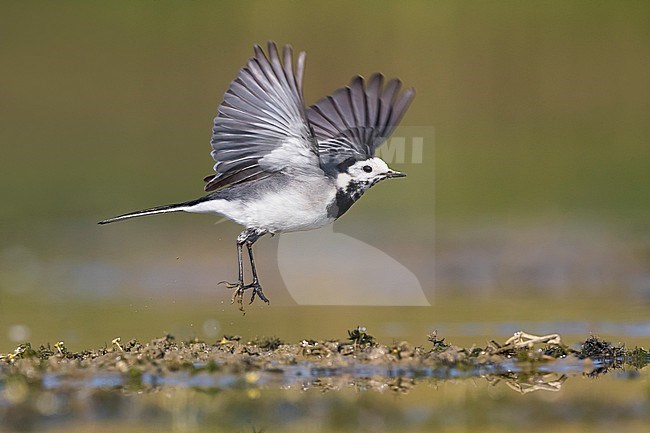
[{"x": 178, "y": 207}]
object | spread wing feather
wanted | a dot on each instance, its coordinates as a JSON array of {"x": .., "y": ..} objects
[
  {"x": 261, "y": 126},
  {"x": 356, "y": 119}
]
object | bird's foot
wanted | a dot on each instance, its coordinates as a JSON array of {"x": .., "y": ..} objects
[
  {"x": 257, "y": 290},
  {"x": 238, "y": 295}
]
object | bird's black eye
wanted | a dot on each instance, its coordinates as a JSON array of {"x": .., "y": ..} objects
[{"x": 367, "y": 168}]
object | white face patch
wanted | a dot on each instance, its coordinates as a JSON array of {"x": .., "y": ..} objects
[
  {"x": 370, "y": 170},
  {"x": 362, "y": 175}
]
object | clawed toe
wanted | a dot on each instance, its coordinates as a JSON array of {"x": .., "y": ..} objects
[
  {"x": 257, "y": 291},
  {"x": 232, "y": 285},
  {"x": 238, "y": 295}
]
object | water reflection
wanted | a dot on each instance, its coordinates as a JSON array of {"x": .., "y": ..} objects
[
  {"x": 521, "y": 376},
  {"x": 292, "y": 397}
]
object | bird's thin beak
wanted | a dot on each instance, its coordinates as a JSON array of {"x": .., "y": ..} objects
[{"x": 392, "y": 173}]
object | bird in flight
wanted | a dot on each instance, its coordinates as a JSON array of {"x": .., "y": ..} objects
[{"x": 283, "y": 167}]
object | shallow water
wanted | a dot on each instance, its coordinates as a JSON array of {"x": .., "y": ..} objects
[
  {"x": 565, "y": 395},
  {"x": 311, "y": 375},
  {"x": 527, "y": 382}
]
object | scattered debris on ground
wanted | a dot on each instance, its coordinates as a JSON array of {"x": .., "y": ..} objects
[{"x": 231, "y": 355}]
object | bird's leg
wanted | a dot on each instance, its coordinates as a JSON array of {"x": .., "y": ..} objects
[
  {"x": 239, "y": 285},
  {"x": 255, "y": 285},
  {"x": 248, "y": 237}
]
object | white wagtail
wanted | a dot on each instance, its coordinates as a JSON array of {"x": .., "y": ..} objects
[{"x": 281, "y": 167}]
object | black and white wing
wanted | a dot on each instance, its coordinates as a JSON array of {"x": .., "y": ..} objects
[
  {"x": 356, "y": 119},
  {"x": 261, "y": 126}
]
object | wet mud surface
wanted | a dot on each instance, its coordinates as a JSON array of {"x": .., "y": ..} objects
[{"x": 51, "y": 384}]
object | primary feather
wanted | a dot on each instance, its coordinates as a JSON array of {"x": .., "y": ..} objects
[{"x": 261, "y": 126}]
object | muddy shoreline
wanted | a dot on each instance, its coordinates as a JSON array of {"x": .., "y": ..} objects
[{"x": 358, "y": 355}]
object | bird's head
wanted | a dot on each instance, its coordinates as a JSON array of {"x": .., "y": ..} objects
[
  {"x": 358, "y": 176},
  {"x": 354, "y": 178}
]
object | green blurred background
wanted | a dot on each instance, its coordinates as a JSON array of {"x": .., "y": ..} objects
[{"x": 532, "y": 203}]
